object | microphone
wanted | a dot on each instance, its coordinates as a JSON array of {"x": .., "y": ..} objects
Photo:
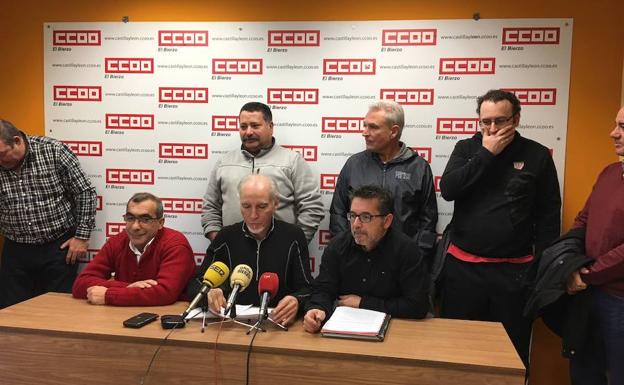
[
  {"x": 215, "y": 275},
  {"x": 239, "y": 280},
  {"x": 267, "y": 289}
]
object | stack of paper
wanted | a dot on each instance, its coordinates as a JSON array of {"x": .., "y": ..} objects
[{"x": 348, "y": 322}]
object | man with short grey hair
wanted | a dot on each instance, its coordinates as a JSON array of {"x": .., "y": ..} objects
[
  {"x": 389, "y": 163},
  {"x": 265, "y": 244}
]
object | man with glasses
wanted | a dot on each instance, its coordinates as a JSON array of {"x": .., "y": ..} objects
[
  {"x": 389, "y": 163},
  {"x": 148, "y": 264},
  {"x": 373, "y": 266},
  {"x": 507, "y": 210}
]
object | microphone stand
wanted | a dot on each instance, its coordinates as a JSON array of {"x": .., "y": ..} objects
[{"x": 261, "y": 319}]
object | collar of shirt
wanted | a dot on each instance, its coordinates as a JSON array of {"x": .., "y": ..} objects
[{"x": 136, "y": 251}]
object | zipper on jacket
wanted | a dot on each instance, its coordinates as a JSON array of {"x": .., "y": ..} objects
[{"x": 258, "y": 243}]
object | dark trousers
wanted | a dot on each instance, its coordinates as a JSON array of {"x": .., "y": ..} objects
[
  {"x": 603, "y": 356},
  {"x": 488, "y": 292},
  {"x": 29, "y": 270}
]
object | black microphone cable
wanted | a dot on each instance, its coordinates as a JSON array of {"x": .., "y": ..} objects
[
  {"x": 249, "y": 355},
  {"x": 149, "y": 367}
]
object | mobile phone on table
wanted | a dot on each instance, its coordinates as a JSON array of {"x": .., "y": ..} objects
[{"x": 140, "y": 320}]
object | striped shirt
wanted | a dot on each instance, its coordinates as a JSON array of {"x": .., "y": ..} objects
[{"x": 48, "y": 196}]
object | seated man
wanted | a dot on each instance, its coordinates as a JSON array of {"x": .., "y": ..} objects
[
  {"x": 147, "y": 264},
  {"x": 266, "y": 245},
  {"x": 374, "y": 266}
]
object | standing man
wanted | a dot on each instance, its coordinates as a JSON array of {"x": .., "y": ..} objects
[
  {"x": 389, "y": 163},
  {"x": 373, "y": 266},
  {"x": 265, "y": 244},
  {"x": 146, "y": 265},
  {"x": 47, "y": 211},
  {"x": 299, "y": 197},
  {"x": 602, "y": 218},
  {"x": 507, "y": 209}
]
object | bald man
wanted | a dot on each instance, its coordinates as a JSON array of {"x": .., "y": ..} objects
[{"x": 266, "y": 245}]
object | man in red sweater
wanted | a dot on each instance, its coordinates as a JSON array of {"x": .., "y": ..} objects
[
  {"x": 147, "y": 264},
  {"x": 603, "y": 220}
]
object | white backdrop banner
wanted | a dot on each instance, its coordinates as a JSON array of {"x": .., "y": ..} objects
[{"x": 152, "y": 106}]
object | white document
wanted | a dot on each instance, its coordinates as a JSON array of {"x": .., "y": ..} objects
[
  {"x": 354, "y": 321},
  {"x": 242, "y": 311}
]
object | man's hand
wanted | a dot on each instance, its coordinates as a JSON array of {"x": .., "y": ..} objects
[
  {"x": 77, "y": 248},
  {"x": 143, "y": 284},
  {"x": 350, "y": 300},
  {"x": 575, "y": 282},
  {"x": 96, "y": 295},
  {"x": 216, "y": 300},
  {"x": 312, "y": 320},
  {"x": 496, "y": 143},
  {"x": 286, "y": 310}
]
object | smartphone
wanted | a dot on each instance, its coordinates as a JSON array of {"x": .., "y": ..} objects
[{"x": 140, "y": 320}]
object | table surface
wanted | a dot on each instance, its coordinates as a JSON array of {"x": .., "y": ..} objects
[{"x": 432, "y": 341}]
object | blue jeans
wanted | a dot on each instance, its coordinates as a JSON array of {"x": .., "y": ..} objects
[{"x": 602, "y": 361}]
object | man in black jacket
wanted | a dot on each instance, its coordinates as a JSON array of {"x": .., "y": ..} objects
[
  {"x": 266, "y": 245},
  {"x": 389, "y": 163},
  {"x": 374, "y": 266},
  {"x": 507, "y": 210}
]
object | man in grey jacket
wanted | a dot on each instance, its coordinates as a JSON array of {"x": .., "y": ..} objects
[
  {"x": 389, "y": 163},
  {"x": 299, "y": 197}
]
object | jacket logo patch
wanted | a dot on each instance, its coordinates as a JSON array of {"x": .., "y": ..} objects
[
  {"x": 402, "y": 175},
  {"x": 518, "y": 165}
]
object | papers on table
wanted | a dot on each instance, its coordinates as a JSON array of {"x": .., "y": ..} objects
[
  {"x": 348, "y": 322},
  {"x": 247, "y": 312}
]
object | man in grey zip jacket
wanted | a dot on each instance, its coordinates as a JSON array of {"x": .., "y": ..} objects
[
  {"x": 389, "y": 163},
  {"x": 299, "y": 197}
]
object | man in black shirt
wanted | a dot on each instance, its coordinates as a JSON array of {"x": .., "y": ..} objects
[
  {"x": 372, "y": 266},
  {"x": 507, "y": 210}
]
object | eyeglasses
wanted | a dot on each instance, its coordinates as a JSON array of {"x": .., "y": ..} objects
[
  {"x": 143, "y": 219},
  {"x": 498, "y": 121},
  {"x": 364, "y": 217}
]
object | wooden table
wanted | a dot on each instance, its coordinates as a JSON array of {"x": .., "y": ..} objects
[{"x": 55, "y": 339}]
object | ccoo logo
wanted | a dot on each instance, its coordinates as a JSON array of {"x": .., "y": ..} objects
[
  {"x": 182, "y": 205},
  {"x": 467, "y": 66},
  {"x": 78, "y": 93},
  {"x": 114, "y": 228},
  {"x": 294, "y": 38},
  {"x": 224, "y": 123},
  {"x": 292, "y": 95},
  {"x": 183, "y": 38},
  {"x": 237, "y": 66},
  {"x": 182, "y": 151},
  {"x": 457, "y": 126},
  {"x": 129, "y": 176},
  {"x": 406, "y": 37},
  {"x": 182, "y": 95},
  {"x": 348, "y": 66},
  {"x": 531, "y": 35},
  {"x": 84, "y": 148},
  {"x": 408, "y": 96},
  {"x": 130, "y": 121},
  {"x": 423, "y": 152},
  {"x": 342, "y": 125},
  {"x": 535, "y": 96},
  {"x": 77, "y": 38},
  {"x": 116, "y": 65}
]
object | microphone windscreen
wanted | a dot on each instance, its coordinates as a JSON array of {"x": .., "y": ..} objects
[
  {"x": 241, "y": 275},
  {"x": 216, "y": 274},
  {"x": 268, "y": 283}
]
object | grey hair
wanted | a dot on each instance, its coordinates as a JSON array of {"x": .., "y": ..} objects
[
  {"x": 145, "y": 196},
  {"x": 8, "y": 132},
  {"x": 394, "y": 113},
  {"x": 272, "y": 185}
]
